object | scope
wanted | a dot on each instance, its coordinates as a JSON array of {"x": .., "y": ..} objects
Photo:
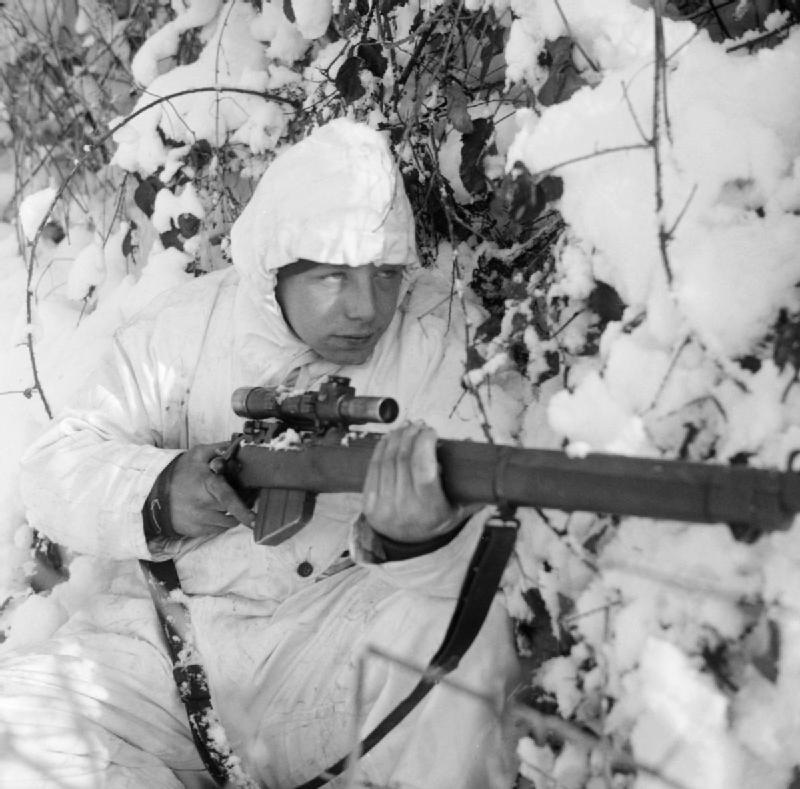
[{"x": 334, "y": 404}]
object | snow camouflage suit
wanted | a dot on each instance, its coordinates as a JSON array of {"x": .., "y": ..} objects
[{"x": 96, "y": 705}]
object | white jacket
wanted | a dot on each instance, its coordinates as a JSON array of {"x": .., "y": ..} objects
[{"x": 281, "y": 650}]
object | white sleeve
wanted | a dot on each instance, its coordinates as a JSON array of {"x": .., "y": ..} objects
[
  {"x": 85, "y": 480},
  {"x": 439, "y": 573}
]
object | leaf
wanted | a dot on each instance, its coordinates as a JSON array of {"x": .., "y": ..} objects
[
  {"x": 515, "y": 288},
  {"x": 787, "y": 341},
  {"x": 535, "y": 639},
  {"x": 605, "y": 301},
  {"x": 371, "y": 53},
  {"x": 564, "y": 78},
  {"x": 457, "y": 108},
  {"x": 518, "y": 198},
  {"x": 473, "y": 149},
  {"x": 188, "y": 224},
  {"x": 488, "y": 329},
  {"x": 389, "y": 5},
  {"x": 767, "y": 661},
  {"x": 492, "y": 50},
  {"x": 552, "y": 187},
  {"x": 200, "y": 154},
  {"x": 474, "y": 359},
  {"x": 128, "y": 244},
  {"x": 348, "y": 80},
  {"x": 53, "y": 231},
  {"x": 145, "y": 194},
  {"x": 171, "y": 238}
]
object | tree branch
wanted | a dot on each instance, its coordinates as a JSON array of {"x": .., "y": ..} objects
[
  {"x": 659, "y": 73},
  {"x": 575, "y": 40},
  {"x": 759, "y": 39},
  {"x": 604, "y": 152}
]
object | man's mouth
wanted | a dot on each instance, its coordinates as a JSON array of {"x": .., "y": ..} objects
[{"x": 354, "y": 339}]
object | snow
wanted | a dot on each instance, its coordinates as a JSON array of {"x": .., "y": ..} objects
[
  {"x": 163, "y": 44},
  {"x": 658, "y": 597},
  {"x": 312, "y": 17},
  {"x": 33, "y": 211}
]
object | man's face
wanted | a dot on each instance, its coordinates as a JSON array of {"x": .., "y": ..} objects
[{"x": 339, "y": 311}]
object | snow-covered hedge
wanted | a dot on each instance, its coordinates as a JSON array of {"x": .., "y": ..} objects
[{"x": 619, "y": 183}]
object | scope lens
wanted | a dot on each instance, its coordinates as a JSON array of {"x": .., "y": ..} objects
[{"x": 388, "y": 410}]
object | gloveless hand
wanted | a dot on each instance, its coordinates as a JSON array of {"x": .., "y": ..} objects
[
  {"x": 403, "y": 496},
  {"x": 200, "y": 501}
]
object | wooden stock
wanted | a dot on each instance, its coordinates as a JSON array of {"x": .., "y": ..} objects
[{"x": 762, "y": 500}]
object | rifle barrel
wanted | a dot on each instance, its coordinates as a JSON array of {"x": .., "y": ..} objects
[{"x": 615, "y": 484}]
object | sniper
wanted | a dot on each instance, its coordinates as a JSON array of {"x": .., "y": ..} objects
[{"x": 274, "y": 679}]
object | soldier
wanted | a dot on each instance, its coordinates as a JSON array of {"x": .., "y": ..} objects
[{"x": 322, "y": 283}]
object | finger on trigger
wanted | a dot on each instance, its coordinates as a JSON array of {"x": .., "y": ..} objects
[
  {"x": 207, "y": 452},
  {"x": 222, "y": 521},
  {"x": 229, "y": 502}
]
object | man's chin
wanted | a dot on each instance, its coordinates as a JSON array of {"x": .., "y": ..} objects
[{"x": 347, "y": 356}]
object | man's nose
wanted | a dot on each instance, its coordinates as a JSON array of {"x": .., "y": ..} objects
[{"x": 360, "y": 299}]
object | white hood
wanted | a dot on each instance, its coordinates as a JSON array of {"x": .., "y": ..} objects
[{"x": 335, "y": 197}]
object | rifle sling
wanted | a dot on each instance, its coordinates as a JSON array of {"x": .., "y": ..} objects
[
  {"x": 477, "y": 593},
  {"x": 190, "y": 679}
]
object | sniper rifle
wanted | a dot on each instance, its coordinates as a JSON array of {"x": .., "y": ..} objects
[
  {"x": 325, "y": 456},
  {"x": 285, "y": 470}
]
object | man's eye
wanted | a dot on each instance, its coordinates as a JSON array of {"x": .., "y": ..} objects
[{"x": 389, "y": 273}]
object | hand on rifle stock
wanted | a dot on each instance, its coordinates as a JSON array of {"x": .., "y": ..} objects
[
  {"x": 403, "y": 496},
  {"x": 202, "y": 502}
]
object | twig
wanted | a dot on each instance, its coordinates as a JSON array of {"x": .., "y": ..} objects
[
  {"x": 575, "y": 40},
  {"x": 551, "y": 724},
  {"x": 37, "y": 384},
  {"x": 412, "y": 61},
  {"x": 566, "y": 323},
  {"x": 627, "y": 98},
  {"x": 217, "y": 55},
  {"x": 671, "y": 231},
  {"x": 672, "y": 362},
  {"x": 368, "y": 21},
  {"x": 603, "y": 152},
  {"x": 658, "y": 80},
  {"x": 722, "y": 26},
  {"x": 705, "y": 11},
  {"x": 29, "y": 295},
  {"x": 754, "y": 41},
  {"x": 435, "y": 675}
]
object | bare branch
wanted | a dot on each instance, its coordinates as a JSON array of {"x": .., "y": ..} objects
[
  {"x": 603, "y": 152},
  {"x": 670, "y": 367},
  {"x": 658, "y": 85},
  {"x": 627, "y": 98},
  {"x": 619, "y": 760},
  {"x": 575, "y": 40},
  {"x": 671, "y": 231},
  {"x": 760, "y": 39}
]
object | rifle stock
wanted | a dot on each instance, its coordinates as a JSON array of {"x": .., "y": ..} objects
[{"x": 752, "y": 500}]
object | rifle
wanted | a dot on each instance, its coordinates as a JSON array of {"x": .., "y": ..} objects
[
  {"x": 295, "y": 446},
  {"x": 326, "y": 457}
]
